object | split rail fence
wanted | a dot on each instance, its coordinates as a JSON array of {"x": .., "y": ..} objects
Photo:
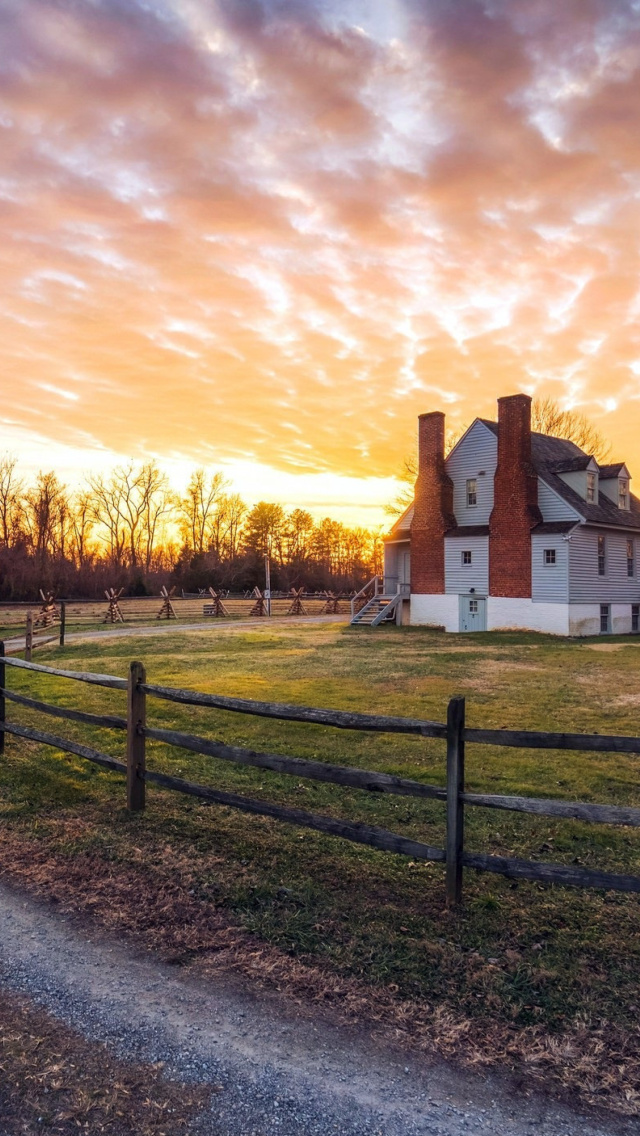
[{"x": 454, "y": 732}]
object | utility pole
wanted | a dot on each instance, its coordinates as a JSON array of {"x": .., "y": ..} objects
[{"x": 267, "y": 581}]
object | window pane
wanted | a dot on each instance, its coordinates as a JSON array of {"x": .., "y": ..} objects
[
  {"x": 602, "y": 548},
  {"x": 591, "y": 487}
]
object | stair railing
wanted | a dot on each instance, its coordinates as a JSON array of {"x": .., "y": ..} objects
[{"x": 370, "y": 590}]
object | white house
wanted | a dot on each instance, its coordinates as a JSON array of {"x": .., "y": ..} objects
[{"x": 516, "y": 530}]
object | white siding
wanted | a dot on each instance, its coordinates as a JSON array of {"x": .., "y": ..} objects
[
  {"x": 552, "y": 506},
  {"x": 505, "y": 614},
  {"x": 585, "y": 585},
  {"x": 584, "y": 619},
  {"x": 435, "y": 611},
  {"x": 549, "y": 582},
  {"x": 461, "y": 578},
  {"x": 477, "y": 451}
]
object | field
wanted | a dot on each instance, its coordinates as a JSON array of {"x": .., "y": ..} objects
[
  {"x": 541, "y": 979},
  {"x": 89, "y": 615}
]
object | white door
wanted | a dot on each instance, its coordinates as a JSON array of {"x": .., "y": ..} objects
[
  {"x": 405, "y": 572},
  {"x": 473, "y": 613}
]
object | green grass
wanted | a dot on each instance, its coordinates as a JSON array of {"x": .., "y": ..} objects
[{"x": 521, "y": 954}]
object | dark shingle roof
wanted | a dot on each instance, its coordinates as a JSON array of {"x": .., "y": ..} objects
[
  {"x": 552, "y": 456},
  {"x": 548, "y": 527},
  {"x": 469, "y": 530},
  {"x": 610, "y": 471}
]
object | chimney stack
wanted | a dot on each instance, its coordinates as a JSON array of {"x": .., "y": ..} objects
[
  {"x": 515, "y": 510},
  {"x": 433, "y": 508}
]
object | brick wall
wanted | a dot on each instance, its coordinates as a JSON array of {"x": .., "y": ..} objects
[
  {"x": 515, "y": 510},
  {"x": 433, "y": 508}
]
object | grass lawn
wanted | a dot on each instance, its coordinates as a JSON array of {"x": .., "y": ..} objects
[{"x": 541, "y": 978}]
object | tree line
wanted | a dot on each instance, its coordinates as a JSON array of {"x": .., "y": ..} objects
[{"x": 130, "y": 529}]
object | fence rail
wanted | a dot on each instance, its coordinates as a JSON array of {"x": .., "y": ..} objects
[{"x": 454, "y": 732}]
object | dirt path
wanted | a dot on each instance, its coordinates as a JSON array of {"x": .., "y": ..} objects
[
  {"x": 124, "y": 632},
  {"x": 276, "y": 1073}
]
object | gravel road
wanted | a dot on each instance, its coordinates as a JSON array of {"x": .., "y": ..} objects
[{"x": 279, "y": 1074}]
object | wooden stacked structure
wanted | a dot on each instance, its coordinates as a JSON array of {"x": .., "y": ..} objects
[
  {"x": 114, "y": 614},
  {"x": 260, "y": 606},
  {"x": 297, "y": 606},
  {"x": 216, "y": 608},
  {"x": 49, "y": 612},
  {"x": 167, "y": 610}
]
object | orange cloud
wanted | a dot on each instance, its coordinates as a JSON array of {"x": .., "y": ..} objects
[{"x": 267, "y": 234}]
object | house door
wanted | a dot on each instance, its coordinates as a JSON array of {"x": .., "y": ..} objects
[
  {"x": 473, "y": 613},
  {"x": 405, "y": 572}
]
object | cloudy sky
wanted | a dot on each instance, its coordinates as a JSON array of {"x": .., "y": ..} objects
[{"x": 265, "y": 234}]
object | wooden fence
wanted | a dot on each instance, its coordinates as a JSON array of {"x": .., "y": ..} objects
[{"x": 454, "y": 732}]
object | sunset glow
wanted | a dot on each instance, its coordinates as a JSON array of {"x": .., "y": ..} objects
[{"x": 263, "y": 235}]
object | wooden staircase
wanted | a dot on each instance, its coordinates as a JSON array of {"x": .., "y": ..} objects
[{"x": 378, "y": 610}]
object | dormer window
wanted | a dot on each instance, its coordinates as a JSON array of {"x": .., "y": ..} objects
[
  {"x": 623, "y": 493},
  {"x": 591, "y": 488}
]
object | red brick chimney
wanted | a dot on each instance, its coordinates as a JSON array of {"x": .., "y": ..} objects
[
  {"x": 515, "y": 509},
  {"x": 433, "y": 508}
]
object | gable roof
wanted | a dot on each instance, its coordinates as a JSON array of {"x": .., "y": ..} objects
[
  {"x": 552, "y": 456},
  {"x": 613, "y": 470}
]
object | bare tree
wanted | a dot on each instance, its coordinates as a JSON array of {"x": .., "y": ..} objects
[
  {"x": 128, "y": 506},
  {"x": 199, "y": 510},
  {"x": 47, "y": 517},
  {"x": 106, "y": 496},
  {"x": 81, "y": 526},
  {"x": 547, "y": 417},
  {"x": 156, "y": 502},
  {"x": 235, "y": 512},
  {"x": 11, "y": 500}
]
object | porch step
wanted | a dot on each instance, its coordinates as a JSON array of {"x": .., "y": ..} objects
[{"x": 377, "y": 611}]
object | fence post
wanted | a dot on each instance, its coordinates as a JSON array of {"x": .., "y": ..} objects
[
  {"x": 28, "y": 639},
  {"x": 136, "y": 721},
  {"x": 3, "y": 712},
  {"x": 63, "y": 621},
  {"x": 455, "y": 807}
]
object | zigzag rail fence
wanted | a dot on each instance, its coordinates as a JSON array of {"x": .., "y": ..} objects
[{"x": 454, "y": 732}]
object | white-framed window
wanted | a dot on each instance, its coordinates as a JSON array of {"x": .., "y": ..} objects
[
  {"x": 473, "y": 607},
  {"x": 472, "y": 491},
  {"x": 605, "y": 619},
  {"x": 591, "y": 487},
  {"x": 623, "y": 493},
  {"x": 631, "y": 565},
  {"x": 550, "y": 556},
  {"x": 635, "y": 618},
  {"x": 602, "y": 556},
  {"x": 467, "y": 558}
]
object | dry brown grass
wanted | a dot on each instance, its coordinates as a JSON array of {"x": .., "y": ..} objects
[
  {"x": 599, "y": 1061},
  {"x": 53, "y": 1080}
]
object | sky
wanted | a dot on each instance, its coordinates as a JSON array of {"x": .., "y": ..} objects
[{"x": 263, "y": 235}]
